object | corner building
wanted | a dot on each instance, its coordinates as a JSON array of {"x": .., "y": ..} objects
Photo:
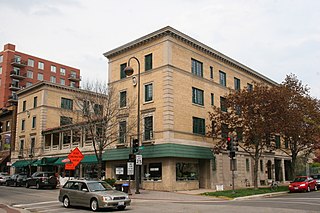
[{"x": 181, "y": 79}]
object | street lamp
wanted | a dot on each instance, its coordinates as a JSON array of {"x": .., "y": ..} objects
[{"x": 129, "y": 71}]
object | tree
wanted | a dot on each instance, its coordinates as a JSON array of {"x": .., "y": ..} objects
[
  {"x": 249, "y": 114},
  {"x": 99, "y": 113},
  {"x": 298, "y": 119}
]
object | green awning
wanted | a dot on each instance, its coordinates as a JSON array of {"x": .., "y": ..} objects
[
  {"x": 36, "y": 163},
  {"x": 22, "y": 163},
  {"x": 89, "y": 159},
  {"x": 59, "y": 161},
  {"x": 162, "y": 150}
]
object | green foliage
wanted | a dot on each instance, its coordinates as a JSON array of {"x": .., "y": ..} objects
[
  {"x": 111, "y": 181},
  {"x": 244, "y": 192},
  {"x": 313, "y": 165}
]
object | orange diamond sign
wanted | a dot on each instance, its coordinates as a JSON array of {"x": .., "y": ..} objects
[{"x": 75, "y": 156}]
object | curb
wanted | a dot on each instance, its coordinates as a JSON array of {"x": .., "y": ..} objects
[
  {"x": 260, "y": 195},
  {"x": 10, "y": 209}
]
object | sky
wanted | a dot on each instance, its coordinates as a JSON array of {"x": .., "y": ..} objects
[{"x": 273, "y": 37}]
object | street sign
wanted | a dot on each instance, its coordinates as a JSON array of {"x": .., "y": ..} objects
[
  {"x": 138, "y": 159},
  {"x": 69, "y": 166},
  {"x": 141, "y": 147},
  {"x": 75, "y": 156},
  {"x": 130, "y": 169}
]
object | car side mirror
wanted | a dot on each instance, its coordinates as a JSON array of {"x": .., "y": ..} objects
[{"x": 85, "y": 190}]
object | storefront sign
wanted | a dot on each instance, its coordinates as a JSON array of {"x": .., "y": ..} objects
[
  {"x": 119, "y": 171},
  {"x": 130, "y": 168}
]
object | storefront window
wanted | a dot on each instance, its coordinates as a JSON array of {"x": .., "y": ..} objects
[
  {"x": 153, "y": 171},
  {"x": 187, "y": 171},
  {"x": 121, "y": 172}
]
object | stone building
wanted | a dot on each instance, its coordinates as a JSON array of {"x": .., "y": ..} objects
[{"x": 181, "y": 78}]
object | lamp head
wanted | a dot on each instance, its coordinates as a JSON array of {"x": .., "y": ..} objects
[{"x": 128, "y": 71}]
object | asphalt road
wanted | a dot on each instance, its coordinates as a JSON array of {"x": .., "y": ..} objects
[{"x": 43, "y": 200}]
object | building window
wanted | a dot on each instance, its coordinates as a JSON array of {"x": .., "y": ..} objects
[
  {"x": 212, "y": 99},
  {"x": 224, "y": 130},
  {"x": 1, "y": 58},
  {"x": 237, "y": 84},
  {"x": 98, "y": 109},
  {"x": 261, "y": 165},
  {"x": 35, "y": 102},
  {"x": 211, "y": 72},
  {"x": 21, "y": 147},
  {"x": 72, "y": 84},
  {"x": 0, "y": 70},
  {"x": 247, "y": 165},
  {"x": 62, "y": 81},
  {"x": 249, "y": 87},
  {"x": 122, "y": 73},
  {"x": 153, "y": 172},
  {"x": 28, "y": 84},
  {"x": 23, "y": 125},
  {"x": 40, "y": 65},
  {"x": 148, "y": 92},
  {"x": 32, "y": 146},
  {"x": 148, "y": 62},
  {"x": 223, "y": 104},
  {"x": 34, "y": 122},
  {"x": 196, "y": 67},
  {"x": 24, "y": 106},
  {"x": 199, "y": 126},
  {"x": 40, "y": 76},
  {"x": 52, "y": 79},
  {"x": 30, "y": 62},
  {"x": 223, "y": 78},
  {"x": 7, "y": 125},
  {"x": 197, "y": 96},
  {"x": 65, "y": 120},
  {"x": 278, "y": 143},
  {"x": 62, "y": 71},
  {"x": 286, "y": 143},
  {"x": 29, "y": 74},
  {"x": 187, "y": 171},
  {"x": 66, "y": 103},
  {"x": 122, "y": 131},
  {"x": 123, "y": 99},
  {"x": 148, "y": 128},
  {"x": 53, "y": 68}
]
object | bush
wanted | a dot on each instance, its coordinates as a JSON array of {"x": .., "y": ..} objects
[{"x": 111, "y": 181}]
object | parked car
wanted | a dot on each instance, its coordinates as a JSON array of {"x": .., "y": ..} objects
[
  {"x": 42, "y": 179},
  {"x": 93, "y": 194},
  {"x": 3, "y": 178},
  {"x": 303, "y": 183},
  {"x": 317, "y": 178},
  {"x": 17, "y": 180}
]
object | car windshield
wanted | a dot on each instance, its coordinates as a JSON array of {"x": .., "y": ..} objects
[
  {"x": 98, "y": 186},
  {"x": 300, "y": 179}
]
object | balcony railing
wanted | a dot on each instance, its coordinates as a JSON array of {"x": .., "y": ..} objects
[
  {"x": 15, "y": 87},
  {"x": 18, "y": 62},
  {"x": 13, "y": 98},
  {"x": 74, "y": 77},
  {"x": 17, "y": 75}
]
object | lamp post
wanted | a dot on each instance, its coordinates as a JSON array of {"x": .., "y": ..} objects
[{"x": 129, "y": 71}]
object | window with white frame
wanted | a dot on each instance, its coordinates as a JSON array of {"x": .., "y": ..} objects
[
  {"x": 148, "y": 127},
  {"x": 30, "y": 62},
  {"x": 62, "y": 81},
  {"x": 148, "y": 92},
  {"x": 53, "y": 79},
  {"x": 53, "y": 68},
  {"x": 40, "y": 76},
  {"x": 29, "y": 74},
  {"x": 62, "y": 71},
  {"x": 40, "y": 65},
  {"x": 1, "y": 58}
]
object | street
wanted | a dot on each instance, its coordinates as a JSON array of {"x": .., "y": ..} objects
[{"x": 44, "y": 200}]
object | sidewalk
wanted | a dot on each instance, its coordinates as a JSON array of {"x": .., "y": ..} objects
[{"x": 7, "y": 209}]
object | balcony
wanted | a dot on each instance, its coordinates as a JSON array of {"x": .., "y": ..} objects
[
  {"x": 15, "y": 87},
  {"x": 74, "y": 77},
  {"x": 17, "y": 62},
  {"x": 17, "y": 75},
  {"x": 13, "y": 98}
]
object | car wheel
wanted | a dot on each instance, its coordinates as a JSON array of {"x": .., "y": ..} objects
[
  {"x": 94, "y": 205},
  {"x": 308, "y": 189},
  {"x": 121, "y": 207},
  {"x": 27, "y": 185},
  {"x": 66, "y": 202},
  {"x": 38, "y": 186}
]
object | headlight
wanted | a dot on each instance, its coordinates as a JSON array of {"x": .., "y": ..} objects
[
  {"x": 127, "y": 197},
  {"x": 303, "y": 184},
  {"x": 106, "y": 198}
]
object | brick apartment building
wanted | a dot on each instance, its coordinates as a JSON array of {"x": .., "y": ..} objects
[{"x": 19, "y": 70}]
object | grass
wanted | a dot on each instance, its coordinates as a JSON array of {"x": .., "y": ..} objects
[{"x": 244, "y": 192}]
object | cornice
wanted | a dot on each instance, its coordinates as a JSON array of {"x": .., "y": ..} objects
[{"x": 169, "y": 31}]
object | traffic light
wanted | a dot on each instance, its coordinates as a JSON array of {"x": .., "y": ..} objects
[
  {"x": 132, "y": 157},
  {"x": 135, "y": 146},
  {"x": 235, "y": 144},
  {"x": 229, "y": 143}
]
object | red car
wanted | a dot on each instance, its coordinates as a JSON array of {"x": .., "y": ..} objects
[{"x": 303, "y": 183}]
